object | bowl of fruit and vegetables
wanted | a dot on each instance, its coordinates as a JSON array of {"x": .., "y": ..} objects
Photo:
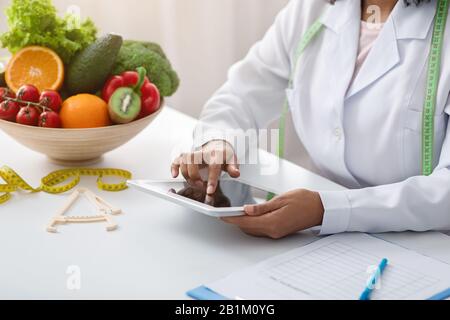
[{"x": 74, "y": 105}]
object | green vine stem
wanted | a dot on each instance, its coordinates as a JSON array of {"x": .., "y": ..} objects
[{"x": 28, "y": 103}]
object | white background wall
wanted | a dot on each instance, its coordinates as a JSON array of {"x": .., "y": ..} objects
[{"x": 202, "y": 37}]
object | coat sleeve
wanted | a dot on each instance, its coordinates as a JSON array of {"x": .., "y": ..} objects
[
  {"x": 255, "y": 90},
  {"x": 420, "y": 203}
]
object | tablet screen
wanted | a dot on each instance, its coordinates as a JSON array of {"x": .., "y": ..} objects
[{"x": 230, "y": 193}]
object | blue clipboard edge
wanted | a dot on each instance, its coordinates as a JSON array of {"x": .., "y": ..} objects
[
  {"x": 203, "y": 293},
  {"x": 441, "y": 296}
]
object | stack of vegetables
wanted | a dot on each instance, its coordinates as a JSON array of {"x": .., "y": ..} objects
[{"x": 62, "y": 76}]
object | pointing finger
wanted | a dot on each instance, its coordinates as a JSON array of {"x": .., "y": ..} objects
[
  {"x": 175, "y": 168},
  {"x": 213, "y": 178},
  {"x": 233, "y": 168},
  {"x": 194, "y": 172}
]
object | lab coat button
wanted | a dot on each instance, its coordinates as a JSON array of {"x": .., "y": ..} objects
[{"x": 338, "y": 133}]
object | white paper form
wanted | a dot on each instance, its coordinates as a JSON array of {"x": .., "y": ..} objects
[{"x": 338, "y": 268}]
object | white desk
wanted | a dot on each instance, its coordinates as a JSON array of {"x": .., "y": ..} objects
[{"x": 159, "y": 251}]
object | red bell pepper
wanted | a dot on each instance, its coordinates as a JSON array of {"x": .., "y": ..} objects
[
  {"x": 114, "y": 83},
  {"x": 150, "y": 96},
  {"x": 150, "y": 100}
]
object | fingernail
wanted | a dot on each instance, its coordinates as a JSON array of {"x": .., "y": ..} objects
[
  {"x": 249, "y": 209},
  {"x": 174, "y": 173},
  {"x": 210, "y": 189}
]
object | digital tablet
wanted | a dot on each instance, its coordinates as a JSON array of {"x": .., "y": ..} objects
[{"x": 228, "y": 201}]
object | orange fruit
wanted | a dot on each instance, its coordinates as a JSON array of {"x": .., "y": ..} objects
[
  {"x": 84, "y": 111},
  {"x": 34, "y": 65}
]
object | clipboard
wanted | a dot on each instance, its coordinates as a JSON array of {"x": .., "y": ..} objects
[
  {"x": 330, "y": 254},
  {"x": 203, "y": 293}
]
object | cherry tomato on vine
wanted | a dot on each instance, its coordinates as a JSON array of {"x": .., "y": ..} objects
[
  {"x": 28, "y": 116},
  {"x": 6, "y": 93},
  {"x": 51, "y": 99},
  {"x": 28, "y": 93},
  {"x": 49, "y": 119},
  {"x": 9, "y": 110}
]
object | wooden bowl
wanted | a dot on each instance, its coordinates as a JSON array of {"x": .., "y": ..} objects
[{"x": 75, "y": 147}]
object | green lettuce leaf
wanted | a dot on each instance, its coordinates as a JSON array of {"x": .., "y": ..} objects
[{"x": 35, "y": 22}]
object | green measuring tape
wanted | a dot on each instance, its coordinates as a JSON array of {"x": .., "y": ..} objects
[
  {"x": 434, "y": 71},
  {"x": 311, "y": 33}
]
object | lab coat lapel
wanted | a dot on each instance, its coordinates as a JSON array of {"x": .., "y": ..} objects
[
  {"x": 342, "y": 21},
  {"x": 404, "y": 23},
  {"x": 382, "y": 58},
  {"x": 339, "y": 15}
]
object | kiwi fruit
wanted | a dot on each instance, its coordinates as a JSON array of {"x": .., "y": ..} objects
[{"x": 124, "y": 106}]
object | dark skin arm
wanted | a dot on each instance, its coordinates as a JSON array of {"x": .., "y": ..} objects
[{"x": 284, "y": 215}]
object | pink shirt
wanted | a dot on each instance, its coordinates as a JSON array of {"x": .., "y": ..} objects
[{"x": 369, "y": 33}]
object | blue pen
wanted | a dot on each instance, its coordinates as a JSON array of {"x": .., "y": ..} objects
[
  {"x": 373, "y": 281},
  {"x": 441, "y": 296}
]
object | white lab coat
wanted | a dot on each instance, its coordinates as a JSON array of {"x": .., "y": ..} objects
[{"x": 366, "y": 136}]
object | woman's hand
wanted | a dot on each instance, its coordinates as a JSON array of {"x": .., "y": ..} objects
[
  {"x": 217, "y": 156},
  {"x": 284, "y": 215}
]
